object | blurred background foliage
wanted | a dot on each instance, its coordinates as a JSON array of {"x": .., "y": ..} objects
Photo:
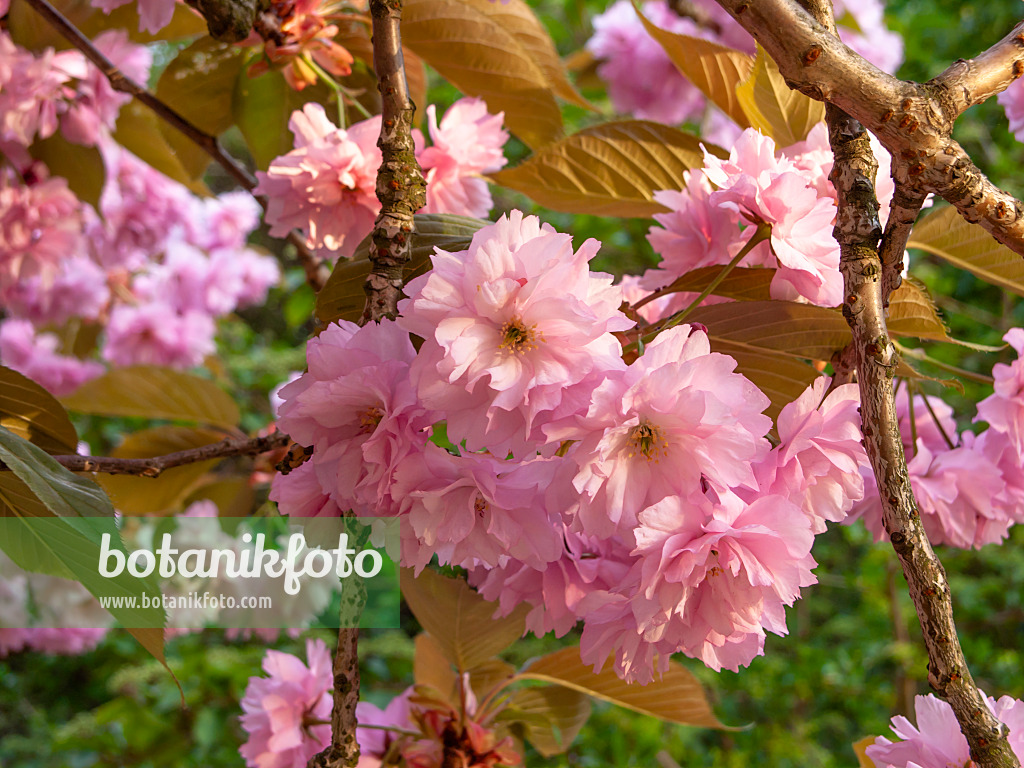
[{"x": 853, "y": 657}]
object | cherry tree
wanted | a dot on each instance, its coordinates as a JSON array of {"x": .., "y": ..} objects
[{"x": 646, "y": 458}]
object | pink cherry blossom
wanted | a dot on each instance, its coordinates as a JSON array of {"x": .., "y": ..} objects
[
  {"x": 358, "y": 410},
  {"x": 514, "y": 327},
  {"x": 1004, "y": 409},
  {"x": 641, "y": 78},
  {"x": 1012, "y": 100},
  {"x": 467, "y": 142},
  {"x": 326, "y": 185},
  {"x": 79, "y": 289},
  {"x": 819, "y": 457},
  {"x": 477, "y": 510},
  {"x": 725, "y": 568},
  {"x": 696, "y": 233},
  {"x": 141, "y": 208},
  {"x": 36, "y": 356},
  {"x": 40, "y": 225},
  {"x": 155, "y": 333},
  {"x": 222, "y": 222},
  {"x": 770, "y": 189},
  {"x": 32, "y": 91},
  {"x": 375, "y": 742},
  {"x": 677, "y": 417},
  {"x": 937, "y": 741},
  {"x": 278, "y": 709}
]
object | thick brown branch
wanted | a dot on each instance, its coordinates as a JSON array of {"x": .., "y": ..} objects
[
  {"x": 972, "y": 81},
  {"x": 155, "y": 466},
  {"x": 858, "y": 232},
  {"x": 913, "y": 121},
  {"x": 316, "y": 271},
  {"x": 400, "y": 184}
]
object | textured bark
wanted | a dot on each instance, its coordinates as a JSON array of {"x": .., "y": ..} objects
[
  {"x": 228, "y": 20},
  {"x": 914, "y": 121},
  {"x": 401, "y": 191},
  {"x": 867, "y": 284},
  {"x": 400, "y": 184}
]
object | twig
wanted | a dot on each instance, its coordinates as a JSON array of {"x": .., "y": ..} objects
[
  {"x": 858, "y": 232},
  {"x": 316, "y": 270},
  {"x": 906, "y": 204},
  {"x": 155, "y": 466},
  {"x": 913, "y": 121}
]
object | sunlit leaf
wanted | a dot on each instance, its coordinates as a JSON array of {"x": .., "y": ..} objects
[
  {"x": 81, "y": 166},
  {"x": 677, "y": 697},
  {"x": 773, "y": 107},
  {"x": 153, "y": 495},
  {"x": 742, "y": 283},
  {"x": 151, "y": 392},
  {"x": 612, "y": 169},
  {"x": 343, "y": 297},
  {"x": 30, "y": 412},
  {"x": 860, "y": 747},
  {"x": 473, "y": 51},
  {"x": 715, "y": 69},
  {"x": 459, "y": 619},
  {"x": 430, "y": 667},
  {"x": 516, "y": 17},
  {"x": 233, "y": 496},
  {"x": 551, "y": 716},
  {"x": 198, "y": 84},
  {"x": 913, "y": 313},
  {"x": 946, "y": 234}
]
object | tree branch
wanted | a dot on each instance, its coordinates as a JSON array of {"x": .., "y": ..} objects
[
  {"x": 903, "y": 210},
  {"x": 972, "y": 81},
  {"x": 400, "y": 184},
  {"x": 316, "y": 270},
  {"x": 858, "y": 232},
  {"x": 913, "y": 121},
  {"x": 154, "y": 467}
]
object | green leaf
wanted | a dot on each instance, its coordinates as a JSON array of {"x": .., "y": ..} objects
[
  {"x": 612, "y": 169},
  {"x": 343, "y": 297},
  {"x": 773, "y": 107},
  {"x": 459, "y": 619},
  {"x": 30, "y": 30},
  {"x": 715, "y": 69},
  {"x": 151, "y": 392},
  {"x": 677, "y": 697},
  {"x": 69, "y": 543},
  {"x": 165, "y": 493},
  {"x": 470, "y": 48},
  {"x": 946, "y": 234},
  {"x": 81, "y": 166},
  {"x": 138, "y": 130},
  {"x": 551, "y": 716},
  {"x": 198, "y": 84},
  {"x": 262, "y": 106},
  {"x": 32, "y": 413}
]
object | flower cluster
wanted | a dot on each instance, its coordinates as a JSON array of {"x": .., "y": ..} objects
[
  {"x": 643, "y": 499},
  {"x": 719, "y": 211},
  {"x": 326, "y": 186},
  {"x": 967, "y": 485}
]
